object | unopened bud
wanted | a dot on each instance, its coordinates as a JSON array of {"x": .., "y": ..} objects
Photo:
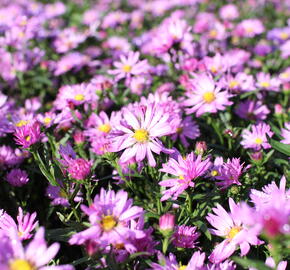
[
  {"x": 200, "y": 147},
  {"x": 166, "y": 223}
]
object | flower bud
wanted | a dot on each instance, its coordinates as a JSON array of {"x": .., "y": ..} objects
[
  {"x": 166, "y": 223},
  {"x": 200, "y": 147}
]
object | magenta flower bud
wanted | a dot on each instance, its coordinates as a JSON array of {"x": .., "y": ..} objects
[
  {"x": 257, "y": 156},
  {"x": 79, "y": 168},
  {"x": 79, "y": 137},
  {"x": 17, "y": 177},
  {"x": 91, "y": 247},
  {"x": 166, "y": 223},
  {"x": 200, "y": 147},
  {"x": 278, "y": 109}
]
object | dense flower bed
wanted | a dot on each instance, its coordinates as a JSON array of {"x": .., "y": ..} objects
[{"x": 144, "y": 134}]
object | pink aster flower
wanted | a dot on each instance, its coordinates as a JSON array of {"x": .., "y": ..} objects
[
  {"x": 17, "y": 177},
  {"x": 230, "y": 227},
  {"x": 109, "y": 217},
  {"x": 130, "y": 65},
  {"x": 185, "y": 236},
  {"x": 185, "y": 170},
  {"x": 257, "y": 138},
  {"x": 252, "y": 110},
  {"x": 170, "y": 263},
  {"x": 229, "y": 12},
  {"x": 265, "y": 82},
  {"x": 285, "y": 133},
  {"x": 186, "y": 128},
  {"x": 249, "y": 28},
  {"x": 28, "y": 135},
  {"x": 9, "y": 157},
  {"x": 35, "y": 256},
  {"x": 139, "y": 132},
  {"x": 229, "y": 173},
  {"x": 205, "y": 97},
  {"x": 24, "y": 226},
  {"x": 241, "y": 82}
]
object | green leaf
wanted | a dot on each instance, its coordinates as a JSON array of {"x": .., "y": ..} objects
[
  {"x": 281, "y": 147},
  {"x": 246, "y": 263}
]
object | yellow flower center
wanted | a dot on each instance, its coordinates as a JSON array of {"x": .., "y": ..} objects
[
  {"x": 181, "y": 177},
  {"x": 105, "y": 128},
  {"x": 21, "y": 123},
  {"x": 249, "y": 29},
  {"x": 208, "y": 97},
  {"x": 214, "y": 173},
  {"x": 233, "y": 232},
  {"x": 141, "y": 135},
  {"x": 179, "y": 130},
  {"x": 258, "y": 140},
  {"x": 27, "y": 138},
  {"x": 119, "y": 246},
  {"x": 79, "y": 97},
  {"x": 284, "y": 35},
  {"x": 233, "y": 84},
  {"x": 285, "y": 75},
  {"x": 213, "y": 33},
  {"x": 47, "y": 120},
  {"x": 20, "y": 264},
  {"x": 108, "y": 223},
  {"x": 265, "y": 84},
  {"x": 127, "y": 68},
  {"x": 182, "y": 267},
  {"x": 213, "y": 69}
]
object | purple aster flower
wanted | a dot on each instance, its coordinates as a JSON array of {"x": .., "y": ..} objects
[
  {"x": 279, "y": 34},
  {"x": 28, "y": 135},
  {"x": 206, "y": 96},
  {"x": 241, "y": 82},
  {"x": 109, "y": 216},
  {"x": 35, "y": 256},
  {"x": 9, "y": 157},
  {"x": 17, "y": 177},
  {"x": 139, "y": 133},
  {"x": 230, "y": 227},
  {"x": 265, "y": 82},
  {"x": 285, "y": 133},
  {"x": 185, "y": 236},
  {"x": 186, "y": 128},
  {"x": 257, "y": 138},
  {"x": 129, "y": 66},
  {"x": 229, "y": 173},
  {"x": 249, "y": 28},
  {"x": 185, "y": 170},
  {"x": 26, "y": 224},
  {"x": 252, "y": 110}
]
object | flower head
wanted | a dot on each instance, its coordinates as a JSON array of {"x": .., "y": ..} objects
[
  {"x": 17, "y": 177},
  {"x": 185, "y": 236},
  {"x": 28, "y": 135}
]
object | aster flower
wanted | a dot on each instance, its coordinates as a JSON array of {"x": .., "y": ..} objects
[
  {"x": 28, "y": 135},
  {"x": 241, "y": 82},
  {"x": 9, "y": 157},
  {"x": 279, "y": 34},
  {"x": 230, "y": 227},
  {"x": 285, "y": 133},
  {"x": 265, "y": 82},
  {"x": 185, "y": 170},
  {"x": 170, "y": 263},
  {"x": 24, "y": 226},
  {"x": 35, "y": 256},
  {"x": 17, "y": 177},
  {"x": 206, "y": 96},
  {"x": 257, "y": 138},
  {"x": 185, "y": 236},
  {"x": 229, "y": 12},
  {"x": 109, "y": 217},
  {"x": 139, "y": 133},
  {"x": 249, "y": 28},
  {"x": 252, "y": 110},
  {"x": 186, "y": 128},
  {"x": 229, "y": 173},
  {"x": 129, "y": 66}
]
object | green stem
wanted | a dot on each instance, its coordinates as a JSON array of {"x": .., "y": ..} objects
[{"x": 165, "y": 244}]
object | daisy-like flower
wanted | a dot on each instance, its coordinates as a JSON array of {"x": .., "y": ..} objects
[
  {"x": 186, "y": 128},
  {"x": 249, "y": 28},
  {"x": 229, "y": 173},
  {"x": 233, "y": 230},
  {"x": 130, "y": 65},
  {"x": 28, "y": 134},
  {"x": 185, "y": 236},
  {"x": 252, "y": 110},
  {"x": 139, "y": 133},
  {"x": 26, "y": 224},
  {"x": 109, "y": 216},
  {"x": 35, "y": 256},
  {"x": 241, "y": 82},
  {"x": 206, "y": 96},
  {"x": 17, "y": 177},
  {"x": 285, "y": 133},
  {"x": 170, "y": 263},
  {"x": 185, "y": 170},
  {"x": 265, "y": 82},
  {"x": 257, "y": 138}
]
